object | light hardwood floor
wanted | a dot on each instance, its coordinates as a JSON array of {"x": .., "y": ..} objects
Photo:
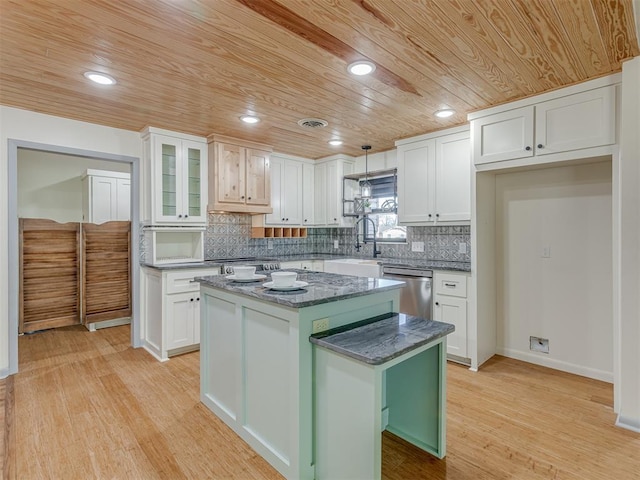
[{"x": 86, "y": 405}]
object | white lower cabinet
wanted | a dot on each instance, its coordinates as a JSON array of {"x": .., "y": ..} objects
[
  {"x": 171, "y": 310},
  {"x": 450, "y": 305}
]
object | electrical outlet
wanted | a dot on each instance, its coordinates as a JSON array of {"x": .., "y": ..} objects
[
  {"x": 462, "y": 248},
  {"x": 546, "y": 251},
  {"x": 320, "y": 325},
  {"x": 417, "y": 246},
  {"x": 269, "y": 244},
  {"x": 335, "y": 244}
]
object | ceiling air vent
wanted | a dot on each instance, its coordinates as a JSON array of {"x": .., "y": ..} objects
[{"x": 312, "y": 123}]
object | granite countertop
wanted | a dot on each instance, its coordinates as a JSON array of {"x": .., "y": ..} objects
[
  {"x": 380, "y": 339},
  {"x": 396, "y": 261},
  {"x": 415, "y": 263},
  {"x": 322, "y": 288}
]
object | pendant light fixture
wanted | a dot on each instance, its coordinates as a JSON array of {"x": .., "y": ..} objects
[{"x": 365, "y": 187}]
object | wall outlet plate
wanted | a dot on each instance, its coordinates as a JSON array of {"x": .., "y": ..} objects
[
  {"x": 462, "y": 248},
  {"x": 269, "y": 244},
  {"x": 417, "y": 246},
  {"x": 320, "y": 325},
  {"x": 336, "y": 244},
  {"x": 537, "y": 344}
]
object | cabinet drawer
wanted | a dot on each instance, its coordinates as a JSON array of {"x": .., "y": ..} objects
[
  {"x": 180, "y": 281},
  {"x": 450, "y": 284}
]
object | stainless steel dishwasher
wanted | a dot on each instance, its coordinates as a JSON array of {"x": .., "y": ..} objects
[{"x": 415, "y": 296}]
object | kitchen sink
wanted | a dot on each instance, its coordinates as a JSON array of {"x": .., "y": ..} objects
[{"x": 358, "y": 267}]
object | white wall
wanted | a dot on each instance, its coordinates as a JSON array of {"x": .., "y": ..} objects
[
  {"x": 628, "y": 359},
  {"x": 34, "y": 127},
  {"x": 566, "y": 298},
  {"x": 50, "y": 186}
]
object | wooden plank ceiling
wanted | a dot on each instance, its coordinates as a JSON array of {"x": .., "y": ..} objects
[{"x": 197, "y": 66}]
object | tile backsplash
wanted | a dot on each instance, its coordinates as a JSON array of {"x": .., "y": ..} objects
[{"x": 229, "y": 236}]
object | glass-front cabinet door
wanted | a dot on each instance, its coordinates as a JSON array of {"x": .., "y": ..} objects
[
  {"x": 181, "y": 169},
  {"x": 195, "y": 164}
]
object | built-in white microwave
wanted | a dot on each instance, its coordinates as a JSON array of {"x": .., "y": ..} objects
[{"x": 165, "y": 245}]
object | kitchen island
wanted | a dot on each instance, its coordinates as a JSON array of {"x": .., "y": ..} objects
[{"x": 256, "y": 360}]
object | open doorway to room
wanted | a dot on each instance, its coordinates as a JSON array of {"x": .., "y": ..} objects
[{"x": 83, "y": 204}]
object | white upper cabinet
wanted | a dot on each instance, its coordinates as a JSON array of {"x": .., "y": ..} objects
[
  {"x": 308, "y": 194},
  {"x": 175, "y": 169},
  {"x": 565, "y": 124},
  {"x": 503, "y": 136},
  {"x": 578, "y": 121},
  {"x": 328, "y": 192},
  {"x": 106, "y": 196},
  {"x": 286, "y": 192},
  {"x": 434, "y": 179}
]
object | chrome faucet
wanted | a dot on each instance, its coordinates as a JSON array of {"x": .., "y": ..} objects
[{"x": 376, "y": 252}]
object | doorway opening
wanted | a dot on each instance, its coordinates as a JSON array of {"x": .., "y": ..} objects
[{"x": 45, "y": 181}]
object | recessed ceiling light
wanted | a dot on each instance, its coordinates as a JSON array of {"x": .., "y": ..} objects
[
  {"x": 444, "y": 113},
  {"x": 361, "y": 67},
  {"x": 335, "y": 143},
  {"x": 101, "y": 78},
  {"x": 249, "y": 119}
]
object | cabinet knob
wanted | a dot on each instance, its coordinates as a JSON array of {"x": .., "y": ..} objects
[
  {"x": 527, "y": 148},
  {"x": 248, "y": 198},
  {"x": 198, "y": 299},
  {"x": 429, "y": 215},
  {"x": 180, "y": 216},
  {"x": 438, "y": 215},
  {"x": 242, "y": 197},
  {"x": 186, "y": 216},
  {"x": 286, "y": 220},
  {"x": 437, "y": 304},
  {"x": 540, "y": 145},
  {"x": 192, "y": 299},
  {"x": 305, "y": 219},
  {"x": 335, "y": 219},
  {"x": 283, "y": 219}
]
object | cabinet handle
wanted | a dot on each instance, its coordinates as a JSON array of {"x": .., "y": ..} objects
[
  {"x": 437, "y": 304},
  {"x": 449, "y": 284},
  {"x": 540, "y": 145},
  {"x": 527, "y": 148}
]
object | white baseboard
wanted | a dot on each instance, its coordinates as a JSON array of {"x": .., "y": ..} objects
[
  {"x": 108, "y": 323},
  {"x": 632, "y": 424},
  {"x": 545, "y": 361},
  {"x": 154, "y": 354}
]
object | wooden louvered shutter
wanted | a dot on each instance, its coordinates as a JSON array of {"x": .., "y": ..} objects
[
  {"x": 106, "y": 282},
  {"x": 49, "y": 274}
]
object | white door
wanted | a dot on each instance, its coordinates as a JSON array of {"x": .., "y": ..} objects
[
  {"x": 416, "y": 169},
  {"x": 179, "y": 320},
  {"x": 320, "y": 194},
  {"x": 308, "y": 191},
  {"x": 453, "y": 178},
  {"x": 123, "y": 199},
  {"x": 503, "y": 136},
  {"x": 103, "y": 199},
  {"x": 277, "y": 216},
  {"x": 292, "y": 193},
  {"x": 453, "y": 310}
]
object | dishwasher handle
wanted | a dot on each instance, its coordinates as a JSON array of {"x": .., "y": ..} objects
[{"x": 407, "y": 272}]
